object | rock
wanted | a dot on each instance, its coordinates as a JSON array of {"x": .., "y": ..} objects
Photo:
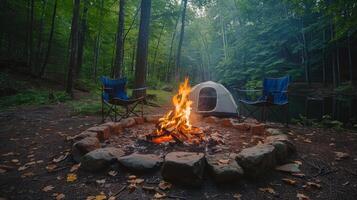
[
  {"x": 257, "y": 129},
  {"x": 290, "y": 167},
  {"x": 275, "y": 139},
  {"x": 82, "y": 135},
  {"x": 184, "y": 168},
  {"x": 274, "y": 131},
  {"x": 140, "y": 162},
  {"x": 84, "y": 146},
  {"x": 211, "y": 119},
  {"x": 103, "y": 132},
  {"x": 152, "y": 118},
  {"x": 115, "y": 127},
  {"x": 128, "y": 122},
  {"x": 257, "y": 160},
  {"x": 224, "y": 167},
  {"x": 139, "y": 120},
  {"x": 100, "y": 158},
  {"x": 242, "y": 126},
  {"x": 251, "y": 121},
  {"x": 228, "y": 122}
]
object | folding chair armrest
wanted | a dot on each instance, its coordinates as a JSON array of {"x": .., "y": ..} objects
[{"x": 138, "y": 89}]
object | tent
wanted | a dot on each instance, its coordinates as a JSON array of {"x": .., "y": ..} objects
[{"x": 210, "y": 98}]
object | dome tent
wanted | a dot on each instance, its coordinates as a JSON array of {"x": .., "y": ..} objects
[{"x": 211, "y": 98}]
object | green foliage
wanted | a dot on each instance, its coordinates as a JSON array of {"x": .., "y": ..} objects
[{"x": 325, "y": 122}]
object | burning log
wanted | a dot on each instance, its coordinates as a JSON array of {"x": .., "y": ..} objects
[{"x": 175, "y": 125}]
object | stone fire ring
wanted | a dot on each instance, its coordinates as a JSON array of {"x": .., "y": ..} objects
[{"x": 183, "y": 167}]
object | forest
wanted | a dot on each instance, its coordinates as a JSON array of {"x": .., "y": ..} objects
[{"x": 178, "y": 99}]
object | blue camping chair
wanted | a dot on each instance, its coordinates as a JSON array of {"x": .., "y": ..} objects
[
  {"x": 274, "y": 94},
  {"x": 114, "y": 95}
]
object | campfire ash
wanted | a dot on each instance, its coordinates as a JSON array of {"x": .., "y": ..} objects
[{"x": 175, "y": 125}]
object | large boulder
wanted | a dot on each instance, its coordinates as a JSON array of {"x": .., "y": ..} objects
[
  {"x": 128, "y": 122},
  {"x": 184, "y": 168},
  {"x": 103, "y": 132},
  {"x": 100, "y": 158},
  {"x": 284, "y": 147},
  {"x": 152, "y": 118},
  {"x": 274, "y": 131},
  {"x": 84, "y": 146},
  {"x": 141, "y": 162},
  {"x": 224, "y": 168},
  {"x": 257, "y": 160}
]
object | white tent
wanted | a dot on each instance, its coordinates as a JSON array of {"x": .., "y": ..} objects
[{"x": 210, "y": 98}]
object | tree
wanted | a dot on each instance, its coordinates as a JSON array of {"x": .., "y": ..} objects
[
  {"x": 42, "y": 71},
  {"x": 142, "y": 49},
  {"x": 178, "y": 58},
  {"x": 118, "y": 64},
  {"x": 73, "y": 48},
  {"x": 81, "y": 41}
]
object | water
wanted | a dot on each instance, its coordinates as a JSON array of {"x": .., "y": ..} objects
[{"x": 339, "y": 107}]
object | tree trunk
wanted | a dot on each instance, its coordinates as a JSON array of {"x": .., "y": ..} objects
[
  {"x": 133, "y": 58},
  {"x": 178, "y": 58},
  {"x": 224, "y": 39},
  {"x": 338, "y": 64},
  {"x": 168, "y": 67},
  {"x": 349, "y": 56},
  {"x": 81, "y": 41},
  {"x": 323, "y": 58},
  {"x": 118, "y": 64},
  {"x": 305, "y": 55},
  {"x": 40, "y": 40},
  {"x": 156, "y": 50},
  {"x": 30, "y": 35},
  {"x": 73, "y": 59},
  {"x": 142, "y": 49},
  {"x": 42, "y": 71},
  {"x": 97, "y": 42},
  {"x": 333, "y": 59}
]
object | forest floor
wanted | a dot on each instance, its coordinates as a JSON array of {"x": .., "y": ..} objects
[{"x": 37, "y": 135}]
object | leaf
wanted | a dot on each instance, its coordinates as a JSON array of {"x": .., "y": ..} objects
[
  {"x": 316, "y": 185},
  {"x": 101, "y": 196},
  {"x": 291, "y": 167},
  {"x": 237, "y": 196},
  {"x": 163, "y": 185},
  {"x": 14, "y": 160},
  {"x": 300, "y": 175},
  {"x": 297, "y": 162},
  {"x": 112, "y": 173},
  {"x": 132, "y": 187},
  {"x": 60, "y": 196},
  {"x": 101, "y": 181},
  {"x": 223, "y": 161},
  {"x": 22, "y": 168},
  {"x": 159, "y": 195},
  {"x": 28, "y": 174},
  {"x": 131, "y": 177},
  {"x": 149, "y": 188},
  {"x": 289, "y": 181},
  {"x": 75, "y": 167},
  {"x": 61, "y": 158},
  {"x": 341, "y": 155},
  {"x": 307, "y": 140},
  {"x": 51, "y": 167},
  {"x": 8, "y": 154},
  {"x": 48, "y": 188},
  {"x": 71, "y": 177},
  {"x": 139, "y": 181},
  {"x": 301, "y": 196},
  {"x": 268, "y": 189}
]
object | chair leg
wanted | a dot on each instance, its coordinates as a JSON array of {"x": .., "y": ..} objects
[
  {"x": 102, "y": 111},
  {"x": 287, "y": 114}
]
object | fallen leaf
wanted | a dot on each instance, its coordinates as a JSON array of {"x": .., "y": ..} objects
[
  {"x": 90, "y": 198},
  {"x": 159, "y": 195},
  {"x": 131, "y": 177},
  {"x": 139, "y": 181},
  {"x": 291, "y": 167},
  {"x": 60, "y": 196},
  {"x": 316, "y": 185},
  {"x": 22, "y": 168},
  {"x": 8, "y": 154},
  {"x": 223, "y": 161},
  {"x": 112, "y": 173},
  {"x": 300, "y": 175},
  {"x": 14, "y": 160},
  {"x": 75, "y": 167},
  {"x": 71, "y": 177},
  {"x": 149, "y": 188},
  {"x": 289, "y": 181},
  {"x": 101, "y": 181},
  {"x": 346, "y": 183},
  {"x": 307, "y": 140},
  {"x": 28, "y": 174},
  {"x": 163, "y": 185},
  {"x": 48, "y": 188},
  {"x": 61, "y": 158},
  {"x": 111, "y": 198},
  {"x": 341, "y": 155},
  {"x": 237, "y": 196},
  {"x": 101, "y": 196},
  {"x": 51, "y": 167},
  {"x": 297, "y": 162},
  {"x": 132, "y": 187},
  {"x": 268, "y": 189},
  {"x": 301, "y": 196}
]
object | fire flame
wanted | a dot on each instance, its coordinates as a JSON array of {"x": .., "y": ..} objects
[{"x": 176, "y": 125}]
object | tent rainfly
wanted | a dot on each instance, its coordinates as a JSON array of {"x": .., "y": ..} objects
[{"x": 210, "y": 98}]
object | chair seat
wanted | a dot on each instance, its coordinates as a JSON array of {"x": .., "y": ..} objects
[{"x": 124, "y": 102}]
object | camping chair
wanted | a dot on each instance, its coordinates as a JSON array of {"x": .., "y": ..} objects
[
  {"x": 114, "y": 96},
  {"x": 274, "y": 94}
]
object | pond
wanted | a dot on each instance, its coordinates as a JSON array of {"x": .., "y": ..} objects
[{"x": 342, "y": 108}]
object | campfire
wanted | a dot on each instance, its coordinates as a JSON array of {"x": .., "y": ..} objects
[{"x": 175, "y": 126}]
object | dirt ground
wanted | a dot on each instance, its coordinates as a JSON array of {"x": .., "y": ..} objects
[{"x": 37, "y": 135}]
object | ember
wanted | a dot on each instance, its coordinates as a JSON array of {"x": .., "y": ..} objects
[{"x": 175, "y": 125}]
